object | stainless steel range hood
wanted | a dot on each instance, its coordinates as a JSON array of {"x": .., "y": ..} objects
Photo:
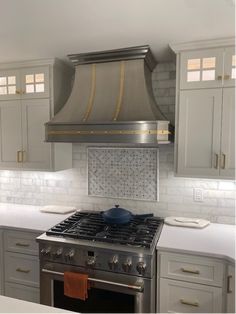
[{"x": 111, "y": 101}]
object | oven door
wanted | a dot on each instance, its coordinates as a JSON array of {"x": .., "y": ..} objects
[{"x": 109, "y": 293}]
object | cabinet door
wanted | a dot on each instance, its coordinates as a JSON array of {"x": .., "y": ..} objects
[
  {"x": 9, "y": 84},
  {"x": 201, "y": 68},
  {"x": 21, "y": 292},
  {"x": 183, "y": 297},
  {"x": 227, "y": 167},
  {"x": 229, "y": 67},
  {"x": 10, "y": 134},
  {"x": 36, "y": 152},
  {"x": 199, "y": 130},
  {"x": 35, "y": 82},
  {"x": 231, "y": 290}
]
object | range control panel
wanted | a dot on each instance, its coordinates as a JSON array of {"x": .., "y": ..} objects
[{"x": 107, "y": 260}]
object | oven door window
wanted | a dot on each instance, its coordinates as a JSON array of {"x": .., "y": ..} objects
[{"x": 99, "y": 301}]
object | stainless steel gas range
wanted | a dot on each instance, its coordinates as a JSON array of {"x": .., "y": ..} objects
[{"x": 120, "y": 261}]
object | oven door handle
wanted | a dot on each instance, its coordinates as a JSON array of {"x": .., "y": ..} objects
[{"x": 138, "y": 287}]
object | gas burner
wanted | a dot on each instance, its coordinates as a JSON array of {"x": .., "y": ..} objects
[{"x": 139, "y": 232}]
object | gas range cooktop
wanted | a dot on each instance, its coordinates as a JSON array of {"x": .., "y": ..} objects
[{"x": 141, "y": 231}]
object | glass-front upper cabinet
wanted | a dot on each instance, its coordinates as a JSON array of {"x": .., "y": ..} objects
[
  {"x": 35, "y": 82},
  {"x": 24, "y": 83},
  {"x": 208, "y": 68},
  {"x": 229, "y": 66},
  {"x": 201, "y": 68},
  {"x": 9, "y": 84}
]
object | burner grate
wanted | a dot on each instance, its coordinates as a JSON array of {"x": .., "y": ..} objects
[{"x": 139, "y": 232}]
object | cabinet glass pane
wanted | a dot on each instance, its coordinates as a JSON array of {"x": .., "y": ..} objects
[
  {"x": 3, "y": 90},
  {"x": 29, "y": 78},
  {"x": 39, "y": 88},
  {"x": 234, "y": 60},
  {"x": 193, "y": 76},
  {"x": 208, "y": 63},
  {"x": 233, "y": 73},
  {"x": 39, "y": 78},
  {"x": 194, "y": 64},
  {"x": 11, "y": 89},
  {"x": 11, "y": 80},
  {"x": 29, "y": 88},
  {"x": 3, "y": 80},
  {"x": 208, "y": 75}
]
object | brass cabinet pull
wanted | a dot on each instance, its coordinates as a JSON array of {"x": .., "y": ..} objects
[
  {"x": 182, "y": 301},
  {"x": 219, "y": 77},
  {"x": 18, "y": 92},
  {"x": 23, "y": 156},
  {"x": 223, "y": 158},
  {"x": 191, "y": 271},
  {"x": 25, "y": 271},
  {"x": 216, "y": 161},
  {"x": 20, "y": 156},
  {"x": 229, "y": 290},
  {"x": 22, "y": 244},
  {"x": 226, "y": 77}
]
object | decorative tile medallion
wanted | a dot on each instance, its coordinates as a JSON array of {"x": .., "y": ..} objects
[{"x": 130, "y": 173}]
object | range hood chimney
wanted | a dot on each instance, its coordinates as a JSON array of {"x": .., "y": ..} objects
[{"x": 111, "y": 101}]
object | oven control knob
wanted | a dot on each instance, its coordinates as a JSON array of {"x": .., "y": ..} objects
[
  {"x": 57, "y": 253},
  {"x": 113, "y": 263},
  {"x": 46, "y": 251},
  {"x": 91, "y": 261},
  {"x": 141, "y": 268},
  {"x": 70, "y": 255},
  {"x": 127, "y": 265}
]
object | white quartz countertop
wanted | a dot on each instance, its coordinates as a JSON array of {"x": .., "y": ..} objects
[
  {"x": 28, "y": 217},
  {"x": 215, "y": 240},
  {"x": 10, "y": 305}
]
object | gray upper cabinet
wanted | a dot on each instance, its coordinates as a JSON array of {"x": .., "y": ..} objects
[
  {"x": 30, "y": 94},
  {"x": 205, "y": 110},
  {"x": 207, "y": 68}
]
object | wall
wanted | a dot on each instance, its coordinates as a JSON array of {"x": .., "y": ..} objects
[{"x": 176, "y": 194}]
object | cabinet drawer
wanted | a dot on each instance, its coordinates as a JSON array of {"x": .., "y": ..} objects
[
  {"x": 22, "y": 269},
  {"x": 192, "y": 269},
  {"x": 22, "y": 242},
  {"x": 184, "y": 297},
  {"x": 21, "y": 292}
]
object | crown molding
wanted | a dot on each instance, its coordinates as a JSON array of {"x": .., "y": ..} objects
[{"x": 203, "y": 44}]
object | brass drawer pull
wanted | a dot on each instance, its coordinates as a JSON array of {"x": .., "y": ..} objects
[
  {"x": 23, "y": 155},
  {"x": 182, "y": 301},
  {"x": 216, "y": 161},
  {"x": 25, "y": 271},
  {"x": 229, "y": 290},
  {"x": 22, "y": 244},
  {"x": 19, "y": 156},
  {"x": 226, "y": 77},
  {"x": 219, "y": 77},
  {"x": 191, "y": 271},
  {"x": 223, "y": 159}
]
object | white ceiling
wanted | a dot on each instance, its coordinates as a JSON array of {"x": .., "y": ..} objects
[{"x": 32, "y": 29}]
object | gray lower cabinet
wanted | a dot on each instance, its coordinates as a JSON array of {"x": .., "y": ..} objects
[
  {"x": 22, "y": 292},
  {"x": 190, "y": 284},
  {"x": 21, "y": 265}
]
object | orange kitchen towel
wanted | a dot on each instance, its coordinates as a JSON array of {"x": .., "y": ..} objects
[{"x": 76, "y": 285}]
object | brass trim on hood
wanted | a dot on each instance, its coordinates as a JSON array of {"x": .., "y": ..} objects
[
  {"x": 121, "y": 91},
  {"x": 111, "y": 132},
  {"x": 92, "y": 94}
]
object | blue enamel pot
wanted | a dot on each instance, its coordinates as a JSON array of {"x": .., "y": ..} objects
[{"x": 117, "y": 215}]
